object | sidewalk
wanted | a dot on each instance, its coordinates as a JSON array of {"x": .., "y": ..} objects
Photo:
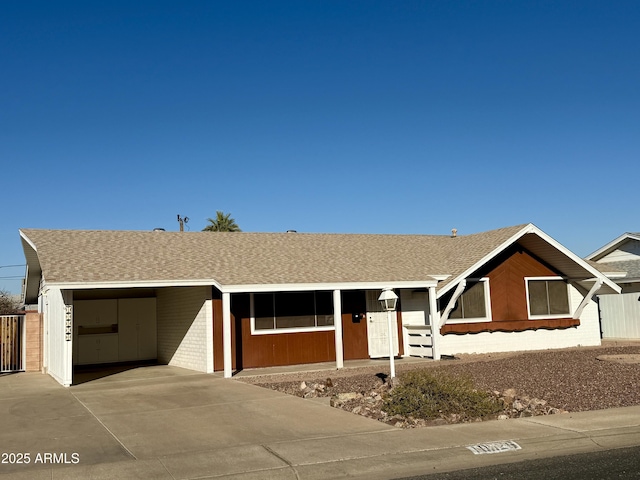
[{"x": 169, "y": 423}]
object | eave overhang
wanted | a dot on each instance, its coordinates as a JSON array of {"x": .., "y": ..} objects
[
  {"x": 611, "y": 246},
  {"x": 530, "y": 237},
  {"x": 33, "y": 271},
  {"x": 253, "y": 288}
]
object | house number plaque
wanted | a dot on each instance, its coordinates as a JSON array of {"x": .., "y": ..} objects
[{"x": 68, "y": 314}]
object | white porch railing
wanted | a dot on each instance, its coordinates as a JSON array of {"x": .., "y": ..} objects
[{"x": 420, "y": 341}]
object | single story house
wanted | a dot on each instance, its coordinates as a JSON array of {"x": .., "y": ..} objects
[
  {"x": 216, "y": 301},
  {"x": 620, "y": 259}
]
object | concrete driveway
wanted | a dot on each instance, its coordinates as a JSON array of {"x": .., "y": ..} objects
[
  {"x": 163, "y": 422},
  {"x": 196, "y": 424}
]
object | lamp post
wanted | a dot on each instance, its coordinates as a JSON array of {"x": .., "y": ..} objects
[{"x": 388, "y": 301}]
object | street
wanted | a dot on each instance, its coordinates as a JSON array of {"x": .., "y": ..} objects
[{"x": 605, "y": 465}]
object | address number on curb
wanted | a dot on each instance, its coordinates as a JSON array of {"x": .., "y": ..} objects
[{"x": 494, "y": 447}]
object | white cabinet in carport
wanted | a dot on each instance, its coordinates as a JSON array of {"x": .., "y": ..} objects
[
  {"x": 95, "y": 313},
  {"x": 96, "y": 326},
  {"x": 114, "y": 330},
  {"x": 97, "y": 348},
  {"x": 137, "y": 329}
]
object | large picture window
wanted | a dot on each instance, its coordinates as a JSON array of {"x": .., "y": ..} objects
[
  {"x": 548, "y": 297},
  {"x": 473, "y": 303},
  {"x": 275, "y": 312}
]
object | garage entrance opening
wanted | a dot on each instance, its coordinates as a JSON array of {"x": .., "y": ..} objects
[{"x": 88, "y": 373}]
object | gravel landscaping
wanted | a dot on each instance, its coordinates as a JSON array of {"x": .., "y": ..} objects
[{"x": 528, "y": 383}]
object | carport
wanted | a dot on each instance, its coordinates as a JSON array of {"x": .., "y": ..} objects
[
  {"x": 116, "y": 326},
  {"x": 110, "y": 298}
]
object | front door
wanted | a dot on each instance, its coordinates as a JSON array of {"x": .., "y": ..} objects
[{"x": 378, "y": 327}]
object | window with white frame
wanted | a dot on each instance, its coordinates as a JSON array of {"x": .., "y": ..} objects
[
  {"x": 474, "y": 303},
  {"x": 292, "y": 311},
  {"x": 547, "y": 297}
]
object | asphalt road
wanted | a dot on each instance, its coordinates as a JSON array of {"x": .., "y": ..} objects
[{"x": 605, "y": 465}]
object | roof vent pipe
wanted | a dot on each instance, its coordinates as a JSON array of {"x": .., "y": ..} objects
[
  {"x": 158, "y": 229},
  {"x": 454, "y": 232}
]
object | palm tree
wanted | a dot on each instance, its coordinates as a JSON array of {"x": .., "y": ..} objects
[{"x": 222, "y": 223}]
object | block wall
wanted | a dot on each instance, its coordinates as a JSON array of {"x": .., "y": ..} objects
[
  {"x": 184, "y": 327},
  {"x": 33, "y": 341}
]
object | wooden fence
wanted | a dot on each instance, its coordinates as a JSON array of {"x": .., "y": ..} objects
[{"x": 11, "y": 343}]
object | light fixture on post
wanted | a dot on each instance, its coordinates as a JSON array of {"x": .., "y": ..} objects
[{"x": 388, "y": 300}]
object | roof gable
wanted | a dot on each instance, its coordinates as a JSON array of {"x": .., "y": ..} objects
[
  {"x": 543, "y": 246},
  {"x": 628, "y": 239}
]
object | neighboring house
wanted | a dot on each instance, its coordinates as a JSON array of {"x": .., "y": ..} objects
[
  {"x": 620, "y": 259},
  {"x": 216, "y": 301}
]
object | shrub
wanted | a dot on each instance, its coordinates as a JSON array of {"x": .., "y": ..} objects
[
  {"x": 9, "y": 304},
  {"x": 430, "y": 394}
]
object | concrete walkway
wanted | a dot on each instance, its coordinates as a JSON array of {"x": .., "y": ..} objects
[{"x": 168, "y": 423}]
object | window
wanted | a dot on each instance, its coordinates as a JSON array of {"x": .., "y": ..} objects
[
  {"x": 547, "y": 297},
  {"x": 473, "y": 303},
  {"x": 298, "y": 311}
]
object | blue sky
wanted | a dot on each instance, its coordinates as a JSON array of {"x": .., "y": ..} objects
[{"x": 320, "y": 116}]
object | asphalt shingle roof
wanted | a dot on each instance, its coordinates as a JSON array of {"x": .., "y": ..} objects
[
  {"x": 632, "y": 267},
  {"x": 245, "y": 258}
]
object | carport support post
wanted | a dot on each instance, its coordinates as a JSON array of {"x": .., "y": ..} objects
[
  {"x": 435, "y": 323},
  {"x": 226, "y": 333},
  {"x": 337, "y": 323},
  {"x": 67, "y": 346}
]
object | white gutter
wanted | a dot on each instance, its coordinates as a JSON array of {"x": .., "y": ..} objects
[
  {"x": 256, "y": 288},
  {"x": 135, "y": 284},
  {"x": 298, "y": 287}
]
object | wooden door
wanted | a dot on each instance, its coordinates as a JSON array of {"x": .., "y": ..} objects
[{"x": 11, "y": 339}]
